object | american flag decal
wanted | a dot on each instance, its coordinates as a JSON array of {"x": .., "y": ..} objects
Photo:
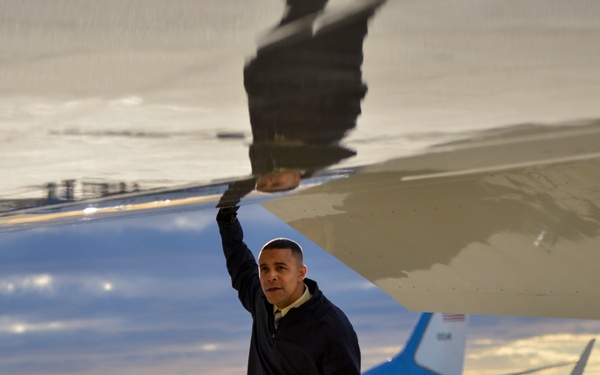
[{"x": 448, "y": 318}]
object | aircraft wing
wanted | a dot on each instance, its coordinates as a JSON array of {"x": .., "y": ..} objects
[
  {"x": 505, "y": 221},
  {"x": 507, "y": 224}
]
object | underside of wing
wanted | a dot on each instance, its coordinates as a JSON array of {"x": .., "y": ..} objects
[{"x": 507, "y": 223}]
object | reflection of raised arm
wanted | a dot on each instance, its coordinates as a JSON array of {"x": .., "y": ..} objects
[
  {"x": 236, "y": 191},
  {"x": 241, "y": 264},
  {"x": 297, "y": 9}
]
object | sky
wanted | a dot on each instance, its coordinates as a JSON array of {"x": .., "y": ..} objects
[{"x": 152, "y": 295}]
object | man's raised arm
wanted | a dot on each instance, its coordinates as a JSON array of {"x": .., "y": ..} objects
[{"x": 241, "y": 264}]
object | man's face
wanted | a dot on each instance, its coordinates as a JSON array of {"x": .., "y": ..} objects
[
  {"x": 281, "y": 276},
  {"x": 277, "y": 181}
]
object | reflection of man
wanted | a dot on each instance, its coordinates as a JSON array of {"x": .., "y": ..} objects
[
  {"x": 278, "y": 181},
  {"x": 304, "y": 94},
  {"x": 296, "y": 329}
]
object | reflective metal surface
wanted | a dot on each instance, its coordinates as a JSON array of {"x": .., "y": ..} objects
[
  {"x": 304, "y": 92},
  {"x": 505, "y": 224},
  {"x": 134, "y": 109}
]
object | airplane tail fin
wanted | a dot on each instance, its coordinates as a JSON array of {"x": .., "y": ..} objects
[
  {"x": 580, "y": 366},
  {"x": 436, "y": 346}
]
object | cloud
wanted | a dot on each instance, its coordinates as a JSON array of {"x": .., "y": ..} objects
[
  {"x": 152, "y": 295},
  {"x": 19, "y": 326},
  {"x": 489, "y": 356},
  {"x": 196, "y": 221},
  {"x": 40, "y": 283},
  {"x": 145, "y": 286}
]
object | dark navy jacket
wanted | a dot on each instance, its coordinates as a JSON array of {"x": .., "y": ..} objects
[{"x": 315, "y": 338}]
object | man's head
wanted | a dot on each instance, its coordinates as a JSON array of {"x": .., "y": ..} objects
[
  {"x": 278, "y": 181},
  {"x": 282, "y": 271}
]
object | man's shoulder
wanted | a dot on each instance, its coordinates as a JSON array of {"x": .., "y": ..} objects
[{"x": 324, "y": 309}]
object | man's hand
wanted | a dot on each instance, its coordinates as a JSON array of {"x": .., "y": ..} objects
[{"x": 228, "y": 214}]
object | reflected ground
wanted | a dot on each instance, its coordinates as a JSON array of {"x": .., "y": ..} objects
[{"x": 149, "y": 108}]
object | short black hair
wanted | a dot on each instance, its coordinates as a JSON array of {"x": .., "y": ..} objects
[{"x": 285, "y": 243}]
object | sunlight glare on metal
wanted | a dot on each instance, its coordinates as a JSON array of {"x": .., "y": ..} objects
[{"x": 90, "y": 210}]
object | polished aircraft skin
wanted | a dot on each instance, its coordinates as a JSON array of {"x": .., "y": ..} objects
[{"x": 501, "y": 218}]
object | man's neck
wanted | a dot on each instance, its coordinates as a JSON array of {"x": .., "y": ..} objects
[{"x": 303, "y": 298}]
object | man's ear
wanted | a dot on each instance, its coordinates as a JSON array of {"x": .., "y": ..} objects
[{"x": 303, "y": 270}]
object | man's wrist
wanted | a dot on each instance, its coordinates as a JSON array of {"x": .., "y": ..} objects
[{"x": 227, "y": 214}]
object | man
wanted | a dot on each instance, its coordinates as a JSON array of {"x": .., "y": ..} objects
[{"x": 295, "y": 329}]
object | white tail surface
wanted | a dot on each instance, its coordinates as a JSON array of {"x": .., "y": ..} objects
[{"x": 442, "y": 348}]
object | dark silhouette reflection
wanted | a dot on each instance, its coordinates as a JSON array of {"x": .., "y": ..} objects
[{"x": 304, "y": 91}]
